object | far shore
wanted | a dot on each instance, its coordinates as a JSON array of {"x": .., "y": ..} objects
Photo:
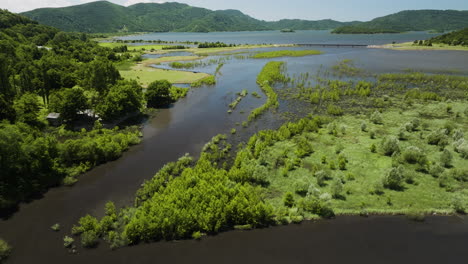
[{"x": 411, "y": 46}]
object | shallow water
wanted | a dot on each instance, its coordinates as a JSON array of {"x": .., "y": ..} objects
[{"x": 185, "y": 128}]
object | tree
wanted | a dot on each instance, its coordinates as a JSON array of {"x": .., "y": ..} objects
[
  {"x": 6, "y": 110},
  {"x": 394, "y": 178},
  {"x": 123, "y": 98},
  {"x": 446, "y": 158},
  {"x": 158, "y": 93},
  {"x": 27, "y": 108},
  {"x": 99, "y": 75},
  {"x": 74, "y": 101}
]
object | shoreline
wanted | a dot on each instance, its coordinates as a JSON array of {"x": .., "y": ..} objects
[{"x": 409, "y": 46}]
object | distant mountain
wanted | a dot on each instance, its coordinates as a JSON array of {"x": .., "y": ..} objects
[
  {"x": 106, "y": 17},
  {"x": 412, "y": 20}
]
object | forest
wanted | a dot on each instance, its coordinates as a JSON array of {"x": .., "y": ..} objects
[{"x": 44, "y": 70}]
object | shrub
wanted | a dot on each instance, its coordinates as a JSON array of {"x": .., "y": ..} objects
[
  {"x": 458, "y": 205},
  {"x": 390, "y": 145},
  {"x": 461, "y": 146},
  {"x": 334, "y": 110},
  {"x": 373, "y": 148},
  {"x": 436, "y": 170},
  {"x": 336, "y": 187},
  {"x": 394, "y": 178},
  {"x": 458, "y": 134},
  {"x": 5, "y": 250},
  {"x": 363, "y": 126},
  {"x": 376, "y": 118},
  {"x": 401, "y": 133},
  {"x": 301, "y": 187},
  {"x": 414, "y": 155},
  {"x": 288, "y": 200},
  {"x": 446, "y": 158},
  {"x": 316, "y": 206},
  {"x": 342, "y": 162},
  {"x": 68, "y": 241},
  {"x": 197, "y": 235},
  {"x": 55, "y": 227},
  {"x": 372, "y": 134},
  {"x": 438, "y": 137},
  {"x": 321, "y": 177},
  {"x": 89, "y": 239}
]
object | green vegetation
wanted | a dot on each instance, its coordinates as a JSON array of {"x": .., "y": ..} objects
[
  {"x": 285, "y": 53},
  {"x": 316, "y": 166},
  {"x": 456, "y": 38},
  {"x": 209, "y": 80},
  {"x": 207, "y": 45},
  {"x": 270, "y": 74},
  {"x": 234, "y": 104},
  {"x": 5, "y": 250},
  {"x": 68, "y": 242},
  {"x": 412, "y": 20},
  {"x": 55, "y": 227},
  {"x": 76, "y": 78}
]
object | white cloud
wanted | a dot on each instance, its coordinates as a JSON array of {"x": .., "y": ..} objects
[{"x": 26, "y": 5}]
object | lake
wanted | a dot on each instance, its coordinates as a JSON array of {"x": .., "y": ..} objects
[{"x": 193, "y": 121}]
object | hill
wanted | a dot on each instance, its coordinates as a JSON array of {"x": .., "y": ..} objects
[
  {"x": 456, "y": 38},
  {"x": 411, "y": 20},
  {"x": 106, "y": 17}
]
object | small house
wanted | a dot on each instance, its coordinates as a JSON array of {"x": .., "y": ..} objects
[{"x": 54, "y": 119}]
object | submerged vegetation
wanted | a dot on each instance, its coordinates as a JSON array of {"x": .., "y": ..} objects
[
  {"x": 286, "y": 53},
  {"x": 270, "y": 74},
  {"x": 389, "y": 144}
]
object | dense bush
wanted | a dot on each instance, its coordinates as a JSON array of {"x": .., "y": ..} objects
[
  {"x": 390, "y": 145},
  {"x": 394, "y": 178},
  {"x": 414, "y": 155},
  {"x": 376, "y": 118}
]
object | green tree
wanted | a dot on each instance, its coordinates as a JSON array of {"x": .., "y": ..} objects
[
  {"x": 123, "y": 98},
  {"x": 74, "y": 101},
  {"x": 27, "y": 108},
  {"x": 158, "y": 93}
]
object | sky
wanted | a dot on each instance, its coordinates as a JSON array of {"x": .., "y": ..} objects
[{"x": 341, "y": 10}]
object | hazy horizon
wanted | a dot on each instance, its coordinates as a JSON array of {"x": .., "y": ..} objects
[{"x": 362, "y": 10}]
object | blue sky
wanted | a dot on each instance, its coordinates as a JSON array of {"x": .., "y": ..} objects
[{"x": 342, "y": 10}]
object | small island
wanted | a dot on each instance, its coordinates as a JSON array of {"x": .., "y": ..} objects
[{"x": 288, "y": 30}]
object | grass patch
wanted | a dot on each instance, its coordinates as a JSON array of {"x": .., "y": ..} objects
[{"x": 286, "y": 53}]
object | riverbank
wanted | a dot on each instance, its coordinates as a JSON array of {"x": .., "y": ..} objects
[{"x": 411, "y": 46}]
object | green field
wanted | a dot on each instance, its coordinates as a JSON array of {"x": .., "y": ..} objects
[
  {"x": 360, "y": 188},
  {"x": 286, "y": 53}
]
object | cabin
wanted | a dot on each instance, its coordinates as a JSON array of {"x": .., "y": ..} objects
[{"x": 54, "y": 119}]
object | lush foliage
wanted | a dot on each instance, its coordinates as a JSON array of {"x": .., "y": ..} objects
[
  {"x": 453, "y": 38},
  {"x": 271, "y": 73},
  {"x": 285, "y": 53}
]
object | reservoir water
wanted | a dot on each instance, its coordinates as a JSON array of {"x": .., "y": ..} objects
[{"x": 190, "y": 123}]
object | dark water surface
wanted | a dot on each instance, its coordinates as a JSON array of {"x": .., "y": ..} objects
[{"x": 185, "y": 128}]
